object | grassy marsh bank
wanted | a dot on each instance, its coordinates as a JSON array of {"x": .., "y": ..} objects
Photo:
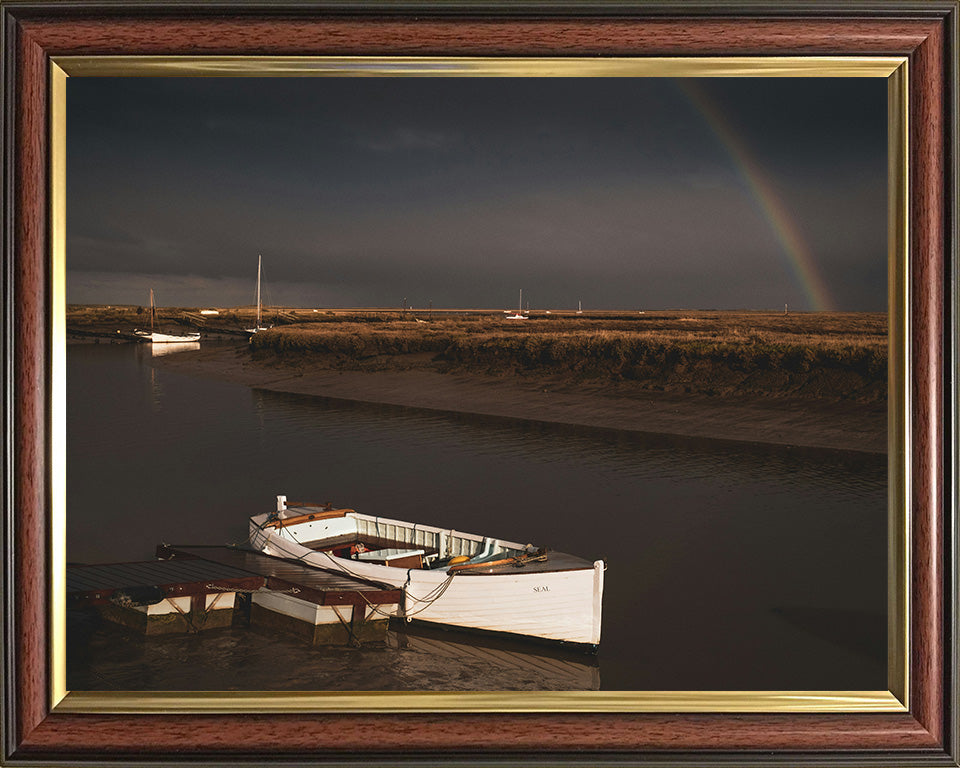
[
  {"x": 814, "y": 380},
  {"x": 823, "y": 356}
]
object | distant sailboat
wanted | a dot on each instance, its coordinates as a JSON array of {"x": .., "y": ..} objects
[
  {"x": 579, "y": 307},
  {"x": 156, "y": 337},
  {"x": 519, "y": 315},
  {"x": 258, "y": 326}
]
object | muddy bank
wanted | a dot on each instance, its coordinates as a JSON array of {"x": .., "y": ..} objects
[
  {"x": 832, "y": 425},
  {"x": 723, "y": 355}
]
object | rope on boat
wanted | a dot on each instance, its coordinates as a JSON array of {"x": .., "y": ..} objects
[
  {"x": 376, "y": 608},
  {"x": 429, "y": 599},
  {"x": 333, "y": 560}
]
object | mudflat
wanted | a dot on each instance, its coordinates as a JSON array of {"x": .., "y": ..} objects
[{"x": 809, "y": 423}]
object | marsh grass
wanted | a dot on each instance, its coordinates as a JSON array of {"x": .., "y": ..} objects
[
  {"x": 832, "y": 356},
  {"x": 826, "y": 356}
]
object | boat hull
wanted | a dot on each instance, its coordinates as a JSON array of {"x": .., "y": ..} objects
[{"x": 561, "y": 605}]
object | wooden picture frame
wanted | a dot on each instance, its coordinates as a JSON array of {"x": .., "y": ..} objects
[{"x": 34, "y": 33}]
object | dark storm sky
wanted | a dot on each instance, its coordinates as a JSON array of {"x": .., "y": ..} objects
[{"x": 625, "y": 193}]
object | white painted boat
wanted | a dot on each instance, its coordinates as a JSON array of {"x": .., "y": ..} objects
[
  {"x": 155, "y": 337},
  {"x": 448, "y": 577},
  {"x": 168, "y": 338}
]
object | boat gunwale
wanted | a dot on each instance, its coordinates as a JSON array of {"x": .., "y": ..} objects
[
  {"x": 402, "y": 523},
  {"x": 439, "y": 574}
]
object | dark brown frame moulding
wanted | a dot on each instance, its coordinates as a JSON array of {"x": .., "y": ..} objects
[{"x": 924, "y": 32}]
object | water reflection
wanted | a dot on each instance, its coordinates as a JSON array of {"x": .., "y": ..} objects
[
  {"x": 728, "y": 564},
  {"x": 158, "y": 350},
  {"x": 502, "y": 665},
  {"x": 101, "y": 656},
  {"x": 603, "y": 451}
]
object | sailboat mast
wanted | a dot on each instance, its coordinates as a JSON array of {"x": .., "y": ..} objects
[
  {"x": 153, "y": 311},
  {"x": 520, "y": 306},
  {"x": 259, "y": 260}
]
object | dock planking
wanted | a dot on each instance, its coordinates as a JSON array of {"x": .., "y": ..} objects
[
  {"x": 315, "y": 585},
  {"x": 99, "y": 584}
]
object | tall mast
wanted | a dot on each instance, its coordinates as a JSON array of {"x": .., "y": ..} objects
[
  {"x": 520, "y": 307},
  {"x": 259, "y": 259},
  {"x": 153, "y": 311}
]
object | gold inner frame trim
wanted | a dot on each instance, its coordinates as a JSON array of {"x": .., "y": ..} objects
[
  {"x": 894, "y": 69},
  {"x": 58, "y": 380},
  {"x": 899, "y": 516},
  {"x": 127, "y": 702},
  {"x": 432, "y": 66}
]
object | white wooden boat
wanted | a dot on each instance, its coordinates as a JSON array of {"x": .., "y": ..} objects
[
  {"x": 448, "y": 577},
  {"x": 155, "y": 337},
  {"x": 168, "y": 338}
]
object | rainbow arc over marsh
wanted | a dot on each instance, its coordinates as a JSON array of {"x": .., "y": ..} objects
[{"x": 799, "y": 255}]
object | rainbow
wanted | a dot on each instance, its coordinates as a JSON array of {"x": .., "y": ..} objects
[{"x": 798, "y": 253}]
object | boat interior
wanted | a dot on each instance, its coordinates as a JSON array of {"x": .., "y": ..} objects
[
  {"x": 407, "y": 545},
  {"x": 401, "y": 544},
  {"x": 402, "y": 553}
]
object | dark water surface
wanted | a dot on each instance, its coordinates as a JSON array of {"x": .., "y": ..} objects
[{"x": 729, "y": 566}]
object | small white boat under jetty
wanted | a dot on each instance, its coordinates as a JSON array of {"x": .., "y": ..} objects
[{"x": 448, "y": 577}]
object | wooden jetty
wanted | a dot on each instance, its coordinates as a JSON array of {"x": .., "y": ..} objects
[
  {"x": 159, "y": 597},
  {"x": 195, "y": 588},
  {"x": 322, "y": 606}
]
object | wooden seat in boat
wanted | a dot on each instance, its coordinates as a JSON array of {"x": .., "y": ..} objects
[{"x": 396, "y": 557}]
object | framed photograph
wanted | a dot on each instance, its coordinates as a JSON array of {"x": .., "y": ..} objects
[{"x": 778, "y": 583}]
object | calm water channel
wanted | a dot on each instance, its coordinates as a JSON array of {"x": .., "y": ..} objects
[{"x": 729, "y": 566}]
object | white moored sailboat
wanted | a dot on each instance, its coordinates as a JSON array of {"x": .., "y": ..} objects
[
  {"x": 258, "y": 326},
  {"x": 519, "y": 314},
  {"x": 156, "y": 337},
  {"x": 450, "y": 578}
]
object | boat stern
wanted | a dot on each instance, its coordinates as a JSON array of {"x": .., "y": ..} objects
[{"x": 599, "y": 566}]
